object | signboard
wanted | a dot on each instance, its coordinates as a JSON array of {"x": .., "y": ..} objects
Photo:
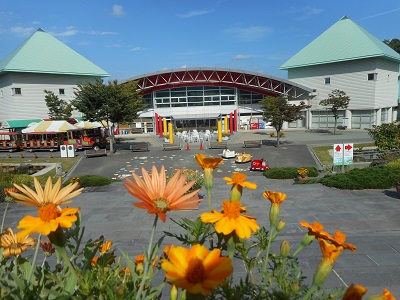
[{"x": 343, "y": 154}]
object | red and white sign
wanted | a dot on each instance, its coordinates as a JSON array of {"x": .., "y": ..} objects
[{"x": 343, "y": 154}]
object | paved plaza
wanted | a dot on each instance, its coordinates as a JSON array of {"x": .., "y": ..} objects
[{"x": 369, "y": 218}]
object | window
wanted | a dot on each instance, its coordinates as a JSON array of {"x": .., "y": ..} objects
[
  {"x": 61, "y": 91},
  {"x": 17, "y": 91},
  {"x": 327, "y": 80},
  {"x": 372, "y": 76}
]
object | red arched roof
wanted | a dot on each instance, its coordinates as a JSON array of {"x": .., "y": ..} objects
[{"x": 255, "y": 82}]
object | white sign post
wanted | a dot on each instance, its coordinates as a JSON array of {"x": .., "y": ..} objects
[{"x": 343, "y": 154}]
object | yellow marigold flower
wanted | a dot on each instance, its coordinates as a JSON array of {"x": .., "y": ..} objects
[
  {"x": 106, "y": 246},
  {"x": 50, "y": 218},
  {"x": 274, "y": 197},
  {"x": 158, "y": 196},
  {"x": 230, "y": 219},
  {"x": 316, "y": 230},
  {"x": 330, "y": 254},
  {"x": 238, "y": 182},
  {"x": 15, "y": 244},
  {"x": 339, "y": 240},
  {"x": 354, "y": 292},
  {"x": 139, "y": 259},
  {"x": 387, "y": 295},
  {"x": 196, "y": 269},
  {"x": 208, "y": 162},
  {"x": 50, "y": 194}
]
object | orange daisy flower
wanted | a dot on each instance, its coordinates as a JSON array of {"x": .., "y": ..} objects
[
  {"x": 48, "y": 201},
  {"x": 50, "y": 194},
  {"x": 196, "y": 269},
  {"x": 158, "y": 196},
  {"x": 15, "y": 244},
  {"x": 230, "y": 219},
  {"x": 354, "y": 292},
  {"x": 316, "y": 230}
]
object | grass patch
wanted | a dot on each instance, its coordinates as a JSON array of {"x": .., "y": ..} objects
[
  {"x": 67, "y": 164},
  {"x": 322, "y": 152},
  {"x": 91, "y": 180}
]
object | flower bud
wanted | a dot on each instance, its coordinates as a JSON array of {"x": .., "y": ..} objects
[
  {"x": 174, "y": 292},
  {"x": 285, "y": 248},
  {"x": 274, "y": 214},
  {"x": 281, "y": 224}
]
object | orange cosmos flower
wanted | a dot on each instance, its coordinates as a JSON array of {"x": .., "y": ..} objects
[
  {"x": 158, "y": 196},
  {"x": 230, "y": 219},
  {"x": 238, "y": 182},
  {"x": 354, "y": 292},
  {"x": 316, "y": 230},
  {"x": 15, "y": 244},
  {"x": 195, "y": 269}
]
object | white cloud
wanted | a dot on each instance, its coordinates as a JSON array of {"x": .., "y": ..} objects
[
  {"x": 137, "y": 49},
  {"x": 183, "y": 67},
  {"x": 242, "y": 57},
  {"x": 251, "y": 33},
  {"x": 305, "y": 12},
  {"x": 118, "y": 10},
  {"x": 67, "y": 33},
  {"x": 195, "y": 13},
  {"x": 93, "y": 32},
  {"x": 22, "y": 31}
]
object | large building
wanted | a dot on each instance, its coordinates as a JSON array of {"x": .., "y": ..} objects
[
  {"x": 348, "y": 58},
  {"x": 41, "y": 63},
  {"x": 344, "y": 57}
]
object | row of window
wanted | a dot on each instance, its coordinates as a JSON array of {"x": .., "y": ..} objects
[
  {"x": 18, "y": 91},
  {"x": 200, "y": 96},
  {"x": 371, "y": 77}
]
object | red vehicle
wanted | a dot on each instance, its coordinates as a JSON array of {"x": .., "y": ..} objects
[
  {"x": 36, "y": 141},
  {"x": 10, "y": 141},
  {"x": 259, "y": 165},
  {"x": 86, "y": 139}
]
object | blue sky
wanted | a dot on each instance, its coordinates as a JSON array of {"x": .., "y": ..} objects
[{"x": 131, "y": 37}]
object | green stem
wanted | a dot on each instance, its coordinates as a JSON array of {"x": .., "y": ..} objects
[
  {"x": 209, "y": 198},
  {"x": 34, "y": 258},
  {"x": 147, "y": 262},
  {"x": 4, "y": 217},
  {"x": 268, "y": 249},
  {"x": 298, "y": 250},
  {"x": 310, "y": 292},
  {"x": 62, "y": 253}
]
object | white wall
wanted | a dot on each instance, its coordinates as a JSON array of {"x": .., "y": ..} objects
[
  {"x": 31, "y": 104},
  {"x": 352, "y": 78}
]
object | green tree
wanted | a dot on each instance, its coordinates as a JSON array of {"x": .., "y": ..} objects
[
  {"x": 278, "y": 110},
  {"x": 113, "y": 103},
  {"x": 394, "y": 44},
  {"x": 336, "y": 100},
  {"x": 58, "y": 109},
  {"x": 386, "y": 136}
]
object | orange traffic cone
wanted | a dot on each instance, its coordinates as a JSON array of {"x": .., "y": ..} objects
[
  {"x": 187, "y": 146},
  {"x": 201, "y": 146}
]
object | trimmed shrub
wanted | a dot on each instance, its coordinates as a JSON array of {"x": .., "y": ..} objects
[
  {"x": 288, "y": 172},
  {"x": 94, "y": 180},
  {"x": 378, "y": 177}
]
